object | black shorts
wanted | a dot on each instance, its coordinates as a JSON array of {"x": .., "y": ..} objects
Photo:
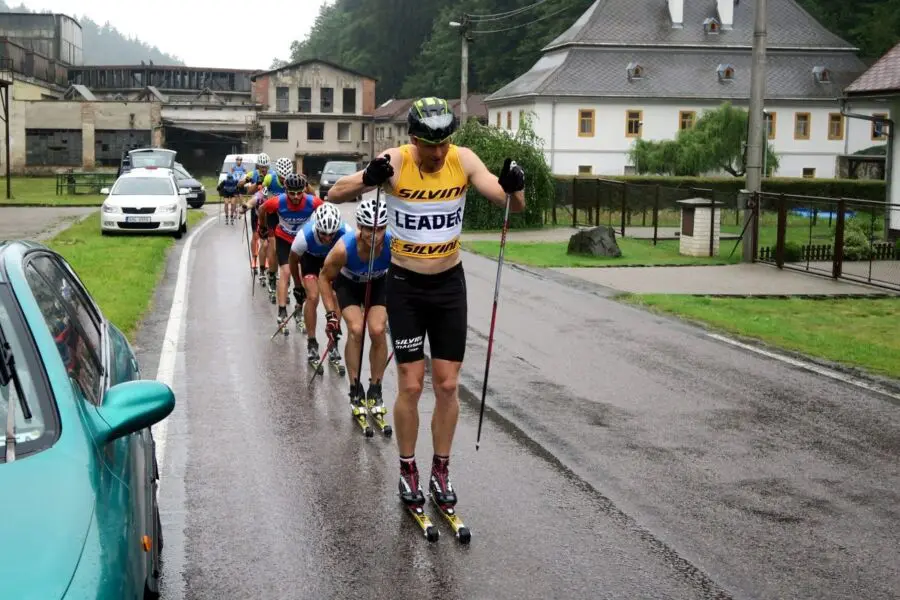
[
  {"x": 282, "y": 250},
  {"x": 353, "y": 293},
  {"x": 228, "y": 195},
  {"x": 433, "y": 305},
  {"x": 310, "y": 265}
]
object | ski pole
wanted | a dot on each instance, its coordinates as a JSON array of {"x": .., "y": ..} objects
[
  {"x": 365, "y": 325},
  {"x": 321, "y": 361},
  {"x": 487, "y": 363},
  {"x": 250, "y": 258},
  {"x": 285, "y": 322}
]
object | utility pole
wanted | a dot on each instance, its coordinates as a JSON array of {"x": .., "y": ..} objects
[
  {"x": 464, "y": 25},
  {"x": 756, "y": 146}
]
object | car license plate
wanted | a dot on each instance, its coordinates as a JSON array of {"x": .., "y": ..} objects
[
  {"x": 137, "y": 219},
  {"x": 192, "y": 195}
]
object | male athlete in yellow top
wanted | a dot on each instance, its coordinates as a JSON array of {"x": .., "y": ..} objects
[{"x": 424, "y": 184}]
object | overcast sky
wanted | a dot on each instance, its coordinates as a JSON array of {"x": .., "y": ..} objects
[{"x": 202, "y": 33}]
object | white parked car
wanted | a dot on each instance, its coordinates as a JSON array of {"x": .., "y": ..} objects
[{"x": 145, "y": 200}]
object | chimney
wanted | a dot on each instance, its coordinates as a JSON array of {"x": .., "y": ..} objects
[
  {"x": 726, "y": 13},
  {"x": 676, "y": 9}
]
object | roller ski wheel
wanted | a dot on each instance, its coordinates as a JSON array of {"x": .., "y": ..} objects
[
  {"x": 432, "y": 534},
  {"x": 460, "y": 531}
]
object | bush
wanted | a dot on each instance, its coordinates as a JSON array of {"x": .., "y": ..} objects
[
  {"x": 493, "y": 145},
  {"x": 857, "y": 240},
  {"x": 793, "y": 252}
]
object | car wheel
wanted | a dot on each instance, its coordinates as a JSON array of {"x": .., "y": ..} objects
[
  {"x": 181, "y": 229},
  {"x": 151, "y": 586}
]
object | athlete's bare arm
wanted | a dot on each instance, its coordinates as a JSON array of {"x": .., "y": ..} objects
[
  {"x": 334, "y": 262},
  {"x": 487, "y": 183},
  {"x": 349, "y": 187}
]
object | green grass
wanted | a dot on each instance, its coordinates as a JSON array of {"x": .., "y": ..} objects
[
  {"x": 120, "y": 272},
  {"x": 41, "y": 191},
  {"x": 857, "y": 332},
  {"x": 634, "y": 253}
]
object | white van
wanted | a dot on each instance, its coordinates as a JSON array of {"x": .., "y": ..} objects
[{"x": 249, "y": 163}]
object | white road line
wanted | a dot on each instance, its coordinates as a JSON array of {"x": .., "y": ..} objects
[
  {"x": 165, "y": 372},
  {"x": 842, "y": 377}
]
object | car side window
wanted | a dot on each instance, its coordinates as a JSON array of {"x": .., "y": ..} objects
[{"x": 72, "y": 322}]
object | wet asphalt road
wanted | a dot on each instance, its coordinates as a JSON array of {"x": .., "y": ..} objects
[{"x": 623, "y": 455}]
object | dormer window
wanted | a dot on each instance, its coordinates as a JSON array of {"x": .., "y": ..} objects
[
  {"x": 726, "y": 72},
  {"x": 711, "y": 25},
  {"x": 822, "y": 75},
  {"x": 635, "y": 71}
]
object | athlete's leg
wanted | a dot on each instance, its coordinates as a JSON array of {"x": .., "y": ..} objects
[
  {"x": 378, "y": 349},
  {"x": 353, "y": 317},
  {"x": 445, "y": 380},
  {"x": 311, "y": 304},
  {"x": 254, "y": 250}
]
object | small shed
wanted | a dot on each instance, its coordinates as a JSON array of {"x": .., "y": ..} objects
[{"x": 701, "y": 227}]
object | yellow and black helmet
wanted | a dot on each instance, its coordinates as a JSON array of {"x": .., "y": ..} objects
[{"x": 431, "y": 120}]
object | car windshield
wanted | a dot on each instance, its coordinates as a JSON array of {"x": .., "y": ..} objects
[
  {"x": 32, "y": 429},
  {"x": 340, "y": 169},
  {"x": 151, "y": 159},
  {"x": 248, "y": 167},
  {"x": 143, "y": 186}
]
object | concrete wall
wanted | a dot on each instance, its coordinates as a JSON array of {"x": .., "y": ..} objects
[
  {"x": 343, "y": 130},
  {"x": 605, "y": 151},
  {"x": 28, "y": 90},
  {"x": 87, "y": 117}
]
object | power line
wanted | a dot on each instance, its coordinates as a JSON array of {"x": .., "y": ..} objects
[
  {"x": 553, "y": 14},
  {"x": 505, "y": 15}
]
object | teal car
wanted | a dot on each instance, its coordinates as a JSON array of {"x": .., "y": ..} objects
[{"x": 78, "y": 478}]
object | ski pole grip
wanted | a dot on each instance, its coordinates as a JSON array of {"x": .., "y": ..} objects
[{"x": 506, "y": 165}]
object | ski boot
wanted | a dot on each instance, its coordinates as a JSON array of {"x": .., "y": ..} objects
[
  {"x": 440, "y": 487},
  {"x": 375, "y": 404},
  {"x": 272, "y": 284},
  {"x": 410, "y": 491},
  {"x": 262, "y": 277},
  {"x": 282, "y": 316},
  {"x": 298, "y": 319},
  {"x": 312, "y": 354},
  {"x": 334, "y": 359}
]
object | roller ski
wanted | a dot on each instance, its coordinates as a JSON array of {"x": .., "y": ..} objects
[
  {"x": 312, "y": 355},
  {"x": 444, "y": 499},
  {"x": 282, "y": 320},
  {"x": 414, "y": 501},
  {"x": 334, "y": 359},
  {"x": 298, "y": 319},
  {"x": 358, "y": 408},
  {"x": 271, "y": 285},
  {"x": 376, "y": 408}
]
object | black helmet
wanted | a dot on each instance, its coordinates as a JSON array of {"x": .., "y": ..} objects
[
  {"x": 431, "y": 120},
  {"x": 294, "y": 181}
]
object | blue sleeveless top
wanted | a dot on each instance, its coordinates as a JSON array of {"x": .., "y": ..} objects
[{"x": 356, "y": 268}]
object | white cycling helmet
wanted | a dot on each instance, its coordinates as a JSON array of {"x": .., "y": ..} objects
[
  {"x": 263, "y": 160},
  {"x": 365, "y": 213},
  {"x": 327, "y": 218},
  {"x": 284, "y": 167}
]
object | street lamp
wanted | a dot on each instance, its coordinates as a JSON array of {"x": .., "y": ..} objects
[{"x": 463, "y": 26}]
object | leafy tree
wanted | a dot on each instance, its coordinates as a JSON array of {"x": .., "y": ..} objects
[
  {"x": 493, "y": 145},
  {"x": 716, "y": 142}
]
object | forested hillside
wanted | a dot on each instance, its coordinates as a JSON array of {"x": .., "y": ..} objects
[
  {"x": 105, "y": 45},
  {"x": 412, "y": 50}
]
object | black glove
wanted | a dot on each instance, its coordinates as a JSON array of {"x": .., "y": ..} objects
[
  {"x": 512, "y": 177},
  {"x": 378, "y": 171},
  {"x": 299, "y": 294}
]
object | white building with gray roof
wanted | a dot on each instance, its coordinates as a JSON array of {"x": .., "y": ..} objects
[{"x": 630, "y": 69}]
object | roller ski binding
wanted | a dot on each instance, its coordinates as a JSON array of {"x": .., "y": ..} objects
[
  {"x": 414, "y": 501},
  {"x": 377, "y": 411},
  {"x": 334, "y": 359},
  {"x": 312, "y": 354},
  {"x": 358, "y": 408},
  {"x": 444, "y": 498}
]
